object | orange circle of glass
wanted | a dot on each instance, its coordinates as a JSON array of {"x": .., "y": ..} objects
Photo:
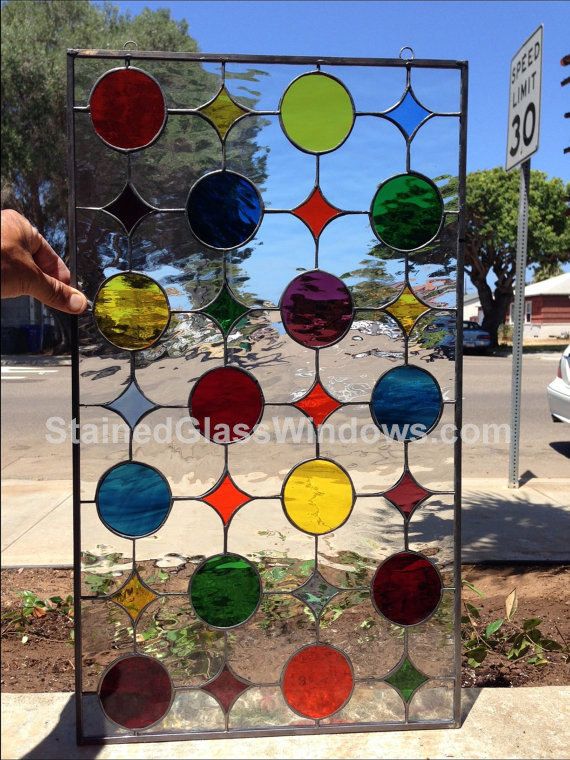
[
  {"x": 131, "y": 311},
  {"x": 317, "y": 681},
  {"x": 127, "y": 109}
]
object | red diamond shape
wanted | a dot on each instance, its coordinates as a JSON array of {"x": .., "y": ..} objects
[
  {"x": 226, "y": 688},
  {"x": 316, "y": 211},
  {"x": 407, "y": 494},
  {"x": 226, "y": 498},
  {"x": 317, "y": 404}
]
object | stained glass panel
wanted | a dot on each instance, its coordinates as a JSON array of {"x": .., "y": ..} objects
[{"x": 266, "y": 492}]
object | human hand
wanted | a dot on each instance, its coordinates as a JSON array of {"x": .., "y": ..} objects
[{"x": 31, "y": 267}]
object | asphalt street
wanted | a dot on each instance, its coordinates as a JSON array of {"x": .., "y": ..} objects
[{"x": 31, "y": 394}]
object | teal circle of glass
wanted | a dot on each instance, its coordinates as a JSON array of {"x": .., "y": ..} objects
[
  {"x": 133, "y": 499},
  {"x": 406, "y": 403}
]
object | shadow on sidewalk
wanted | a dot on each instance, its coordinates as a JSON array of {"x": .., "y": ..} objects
[{"x": 60, "y": 744}]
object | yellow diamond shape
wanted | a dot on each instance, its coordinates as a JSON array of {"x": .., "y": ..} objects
[
  {"x": 222, "y": 111},
  {"x": 134, "y": 596},
  {"x": 407, "y": 308}
]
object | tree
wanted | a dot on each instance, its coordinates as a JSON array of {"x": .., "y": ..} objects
[
  {"x": 492, "y": 215},
  {"x": 35, "y": 37},
  {"x": 548, "y": 270}
]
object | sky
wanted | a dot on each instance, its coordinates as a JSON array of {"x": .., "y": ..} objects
[{"x": 486, "y": 34}]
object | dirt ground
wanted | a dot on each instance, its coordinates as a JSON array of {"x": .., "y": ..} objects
[{"x": 45, "y": 662}]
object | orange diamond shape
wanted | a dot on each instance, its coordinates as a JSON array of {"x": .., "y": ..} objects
[
  {"x": 316, "y": 212},
  {"x": 226, "y": 498},
  {"x": 317, "y": 404}
]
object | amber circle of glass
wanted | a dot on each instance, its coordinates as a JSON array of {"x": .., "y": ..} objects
[
  {"x": 127, "y": 109},
  {"x": 136, "y": 691},
  {"x": 131, "y": 310},
  {"x": 407, "y": 212},
  {"x": 317, "y": 112},
  {"x": 406, "y": 588},
  {"x": 317, "y": 681},
  {"x": 318, "y": 496}
]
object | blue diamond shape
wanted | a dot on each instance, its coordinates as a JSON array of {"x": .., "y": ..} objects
[
  {"x": 408, "y": 113},
  {"x": 132, "y": 404}
]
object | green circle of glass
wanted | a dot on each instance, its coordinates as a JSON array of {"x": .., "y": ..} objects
[
  {"x": 225, "y": 590},
  {"x": 406, "y": 212},
  {"x": 317, "y": 113}
]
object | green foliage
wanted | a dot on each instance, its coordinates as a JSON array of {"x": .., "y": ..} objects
[
  {"x": 547, "y": 270},
  {"x": 504, "y": 637},
  {"x": 33, "y": 607},
  {"x": 35, "y": 37},
  {"x": 492, "y": 218}
]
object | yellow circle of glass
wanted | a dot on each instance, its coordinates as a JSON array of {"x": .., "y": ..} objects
[
  {"x": 318, "y": 496},
  {"x": 131, "y": 310},
  {"x": 317, "y": 113}
]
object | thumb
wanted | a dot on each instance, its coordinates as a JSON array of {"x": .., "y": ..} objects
[{"x": 56, "y": 294}]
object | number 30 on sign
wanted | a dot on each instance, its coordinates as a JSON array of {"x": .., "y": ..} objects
[{"x": 524, "y": 101}]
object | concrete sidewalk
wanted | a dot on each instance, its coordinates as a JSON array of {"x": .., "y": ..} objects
[
  {"x": 499, "y": 524},
  {"x": 508, "y": 723}
]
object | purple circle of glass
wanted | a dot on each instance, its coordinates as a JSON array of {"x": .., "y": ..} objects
[{"x": 316, "y": 309}]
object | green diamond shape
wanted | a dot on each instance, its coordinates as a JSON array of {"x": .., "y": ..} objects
[
  {"x": 225, "y": 309},
  {"x": 406, "y": 680}
]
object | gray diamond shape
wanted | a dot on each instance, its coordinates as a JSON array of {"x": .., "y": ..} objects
[
  {"x": 316, "y": 593},
  {"x": 132, "y": 404}
]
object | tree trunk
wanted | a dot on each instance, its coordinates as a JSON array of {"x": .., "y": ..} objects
[
  {"x": 494, "y": 306},
  {"x": 495, "y": 316}
]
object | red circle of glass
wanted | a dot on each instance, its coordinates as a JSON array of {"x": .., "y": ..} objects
[
  {"x": 317, "y": 681},
  {"x": 127, "y": 109},
  {"x": 136, "y": 692},
  {"x": 406, "y": 588},
  {"x": 227, "y": 404}
]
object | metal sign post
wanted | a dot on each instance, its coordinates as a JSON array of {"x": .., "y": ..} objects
[
  {"x": 518, "y": 320},
  {"x": 522, "y": 142}
]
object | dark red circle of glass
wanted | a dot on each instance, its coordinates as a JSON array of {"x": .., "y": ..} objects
[
  {"x": 406, "y": 588},
  {"x": 227, "y": 404},
  {"x": 136, "y": 692},
  {"x": 317, "y": 681},
  {"x": 127, "y": 109},
  {"x": 316, "y": 309}
]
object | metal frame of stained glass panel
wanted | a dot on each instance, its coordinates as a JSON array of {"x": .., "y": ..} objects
[{"x": 404, "y": 677}]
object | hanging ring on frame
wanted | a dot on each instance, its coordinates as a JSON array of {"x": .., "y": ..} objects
[{"x": 409, "y": 57}]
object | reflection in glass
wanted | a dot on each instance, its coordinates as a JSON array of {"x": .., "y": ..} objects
[{"x": 192, "y": 652}]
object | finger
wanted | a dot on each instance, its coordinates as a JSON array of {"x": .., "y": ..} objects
[
  {"x": 55, "y": 293},
  {"x": 46, "y": 258}
]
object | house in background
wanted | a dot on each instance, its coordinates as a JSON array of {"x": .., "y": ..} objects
[
  {"x": 472, "y": 310},
  {"x": 547, "y": 308},
  {"x": 27, "y": 326}
]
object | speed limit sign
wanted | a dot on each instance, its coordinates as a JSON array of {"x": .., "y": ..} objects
[{"x": 524, "y": 101}]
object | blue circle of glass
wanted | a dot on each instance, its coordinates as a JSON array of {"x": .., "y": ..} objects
[
  {"x": 133, "y": 499},
  {"x": 406, "y": 403},
  {"x": 224, "y": 209}
]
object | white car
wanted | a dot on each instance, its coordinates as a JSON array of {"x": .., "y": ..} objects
[{"x": 558, "y": 391}]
